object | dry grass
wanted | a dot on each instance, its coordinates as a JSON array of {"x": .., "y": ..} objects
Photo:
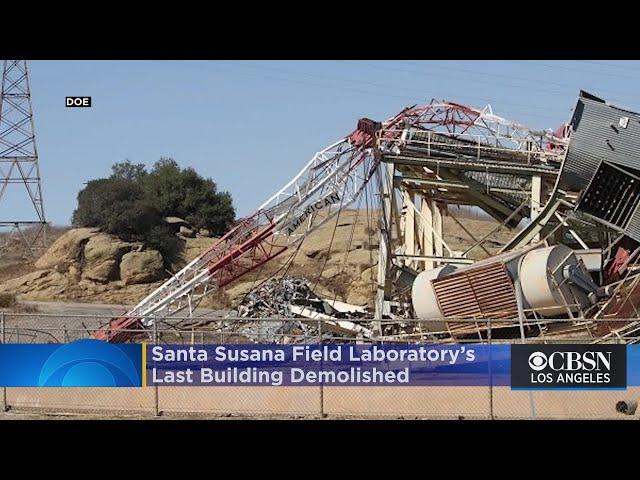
[
  {"x": 8, "y": 300},
  {"x": 13, "y": 263},
  {"x": 15, "y": 270}
]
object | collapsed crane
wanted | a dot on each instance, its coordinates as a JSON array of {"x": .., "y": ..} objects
[{"x": 331, "y": 181}]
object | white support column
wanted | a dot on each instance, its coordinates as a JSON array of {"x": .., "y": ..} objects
[
  {"x": 536, "y": 200},
  {"x": 437, "y": 229},
  {"x": 384, "y": 248},
  {"x": 409, "y": 227},
  {"x": 426, "y": 231}
]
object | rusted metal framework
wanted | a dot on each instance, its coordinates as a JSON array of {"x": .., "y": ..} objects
[
  {"x": 584, "y": 195},
  {"x": 446, "y": 155},
  {"x": 19, "y": 169}
]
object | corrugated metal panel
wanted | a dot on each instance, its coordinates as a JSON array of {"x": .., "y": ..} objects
[
  {"x": 602, "y": 133},
  {"x": 598, "y": 135},
  {"x": 633, "y": 228},
  {"x": 483, "y": 292}
]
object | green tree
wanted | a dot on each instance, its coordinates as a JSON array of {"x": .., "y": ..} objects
[
  {"x": 118, "y": 206},
  {"x": 184, "y": 193},
  {"x": 132, "y": 204},
  {"x": 128, "y": 171},
  {"x": 110, "y": 204}
]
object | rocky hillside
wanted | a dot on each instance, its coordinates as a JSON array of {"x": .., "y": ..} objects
[{"x": 84, "y": 264}]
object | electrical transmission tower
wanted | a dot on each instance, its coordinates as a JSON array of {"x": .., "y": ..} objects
[{"x": 22, "y": 221}]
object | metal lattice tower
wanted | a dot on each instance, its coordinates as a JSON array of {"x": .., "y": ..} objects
[{"x": 19, "y": 168}]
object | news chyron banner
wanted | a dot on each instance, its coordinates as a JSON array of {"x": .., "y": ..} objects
[{"x": 93, "y": 363}]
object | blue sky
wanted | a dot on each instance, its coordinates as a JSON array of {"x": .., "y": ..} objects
[{"x": 252, "y": 125}]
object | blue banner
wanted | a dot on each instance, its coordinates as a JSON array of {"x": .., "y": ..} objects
[{"x": 92, "y": 363}]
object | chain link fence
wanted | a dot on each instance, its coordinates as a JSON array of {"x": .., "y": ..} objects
[{"x": 424, "y": 402}]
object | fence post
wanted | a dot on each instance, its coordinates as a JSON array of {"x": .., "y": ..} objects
[
  {"x": 490, "y": 371},
  {"x": 321, "y": 366},
  {"x": 523, "y": 338},
  {"x": 5, "y": 407},
  {"x": 156, "y": 406}
]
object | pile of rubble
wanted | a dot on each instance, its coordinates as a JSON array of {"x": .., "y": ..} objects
[
  {"x": 274, "y": 298},
  {"x": 292, "y": 297}
]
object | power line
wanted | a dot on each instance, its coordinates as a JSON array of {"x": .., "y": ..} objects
[
  {"x": 380, "y": 85},
  {"x": 582, "y": 70},
  {"x": 302, "y": 82},
  {"x": 512, "y": 77},
  {"x": 615, "y": 65},
  {"x": 457, "y": 77},
  {"x": 351, "y": 89},
  {"x": 620, "y": 102}
]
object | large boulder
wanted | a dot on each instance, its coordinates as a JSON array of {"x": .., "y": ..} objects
[
  {"x": 175, "y": 221},
  {"x": 141, "y": 267},
  {"x": 187, "y": 232},
  {"x": 66, "y": 250},
  {"x": 102, "y": 255}
]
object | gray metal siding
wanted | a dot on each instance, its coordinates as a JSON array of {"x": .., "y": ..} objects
[
  {"x": 633, "y": 229},
  {"x": 594, "y": 139}
]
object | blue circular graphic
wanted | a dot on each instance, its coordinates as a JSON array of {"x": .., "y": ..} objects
[{"x": 89, "y": 363}]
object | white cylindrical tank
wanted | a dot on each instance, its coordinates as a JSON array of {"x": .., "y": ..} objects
[
  {"x": 543, "y": 286},
  {"x": 425, "y": 304}
]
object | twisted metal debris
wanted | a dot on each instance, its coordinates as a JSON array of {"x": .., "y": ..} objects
[
  {"x": 275, "y": 297},
  {"x": 292, "y": 297}
]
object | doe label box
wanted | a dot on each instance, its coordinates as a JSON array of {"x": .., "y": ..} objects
[{"x": 77, "y": 102}]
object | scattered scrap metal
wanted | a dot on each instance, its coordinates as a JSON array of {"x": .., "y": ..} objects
[
  {"x": 292, "y": 297},
  {"x": 275, "y": 297}
]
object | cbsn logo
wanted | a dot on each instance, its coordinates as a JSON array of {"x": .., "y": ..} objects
[
  {"x": 568, "y": 366},
  {"x": 587, "y": 367}
]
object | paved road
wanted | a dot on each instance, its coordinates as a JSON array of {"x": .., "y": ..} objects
[{"x": 78, "y": 308}]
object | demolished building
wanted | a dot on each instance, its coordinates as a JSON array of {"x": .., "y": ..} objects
[{"x": 570, "y": 197}]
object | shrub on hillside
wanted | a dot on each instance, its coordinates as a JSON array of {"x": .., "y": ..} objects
[
  {"x": 128, "y": 171},
  {"x": 182, "y": 192},
  {"x": 161, "y": 238},
  {"x": 118, "y": 206},
  {"x": 7, "y": 300},
  {"x": 115, "y": 205},
  {"x": 132, "y": 204}
]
